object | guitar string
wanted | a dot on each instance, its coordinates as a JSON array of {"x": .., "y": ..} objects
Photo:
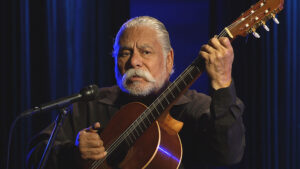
[{"x": 118, "y": 141}]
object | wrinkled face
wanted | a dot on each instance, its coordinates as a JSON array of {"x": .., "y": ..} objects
[{"x": 141, "y": 67}]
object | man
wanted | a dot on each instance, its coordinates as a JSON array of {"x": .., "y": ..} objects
[{"x": 213, "y": 131}]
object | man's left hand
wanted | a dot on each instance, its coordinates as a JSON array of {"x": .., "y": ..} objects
[{"x": 218, "y": 55}]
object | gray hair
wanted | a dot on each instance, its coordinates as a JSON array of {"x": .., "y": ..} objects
[{"x": 159, "y": 27}]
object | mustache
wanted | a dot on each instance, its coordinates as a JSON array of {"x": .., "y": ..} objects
[{"x": 140, "y": 73}]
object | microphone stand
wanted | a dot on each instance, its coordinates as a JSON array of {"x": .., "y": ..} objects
[
  {"x": 86, "y": 94},
  {"x": 58, "y": 123}
]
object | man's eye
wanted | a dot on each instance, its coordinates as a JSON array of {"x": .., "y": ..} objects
[
  {"x": 146, "y": 52},
  {"x": 124, "y": 54}
]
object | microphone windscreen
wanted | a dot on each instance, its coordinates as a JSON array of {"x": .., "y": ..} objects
[{"x": 89, "y": 93}]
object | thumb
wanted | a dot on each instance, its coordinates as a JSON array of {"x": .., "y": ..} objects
[{"x": 94, "y": 128}]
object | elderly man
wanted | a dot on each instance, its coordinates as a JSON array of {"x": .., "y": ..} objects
[{"x": 213, "y": 131}]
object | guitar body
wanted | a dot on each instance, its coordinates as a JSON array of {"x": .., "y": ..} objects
[{"x": 158, "y": 147}]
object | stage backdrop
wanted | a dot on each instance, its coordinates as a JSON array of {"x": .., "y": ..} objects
[
  {"x": 50, "y": 49},
  {"x": 53, "y": 48}
]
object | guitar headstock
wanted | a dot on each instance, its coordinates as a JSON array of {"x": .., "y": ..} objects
[{"x": 255, "y": 17}]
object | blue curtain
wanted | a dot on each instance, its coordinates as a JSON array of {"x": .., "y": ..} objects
[
  {"x": 266, "y": 71},
  {"x": 52, "y": 48}
]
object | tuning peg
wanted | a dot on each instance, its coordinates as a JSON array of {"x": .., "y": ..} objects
[
  {"x": 255, "y": 34},
  {"x": 265, "y": 26},
  {"x": 275, "y": 19}
]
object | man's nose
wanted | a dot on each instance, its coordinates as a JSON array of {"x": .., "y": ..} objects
[{"x": 136, "y": 60}]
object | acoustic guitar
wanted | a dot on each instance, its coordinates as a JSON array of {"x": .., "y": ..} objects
[{"x": 147, "y": 137}]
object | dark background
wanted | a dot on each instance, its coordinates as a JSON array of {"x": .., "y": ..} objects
[{"x": 53, "y": 48}]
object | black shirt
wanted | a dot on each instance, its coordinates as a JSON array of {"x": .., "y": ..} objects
[{"x": 213, "y": 132}]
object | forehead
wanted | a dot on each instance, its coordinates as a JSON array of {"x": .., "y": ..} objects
[{"x": 140, "y": 35}]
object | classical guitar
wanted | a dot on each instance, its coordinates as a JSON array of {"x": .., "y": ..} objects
[{"x": 147, "y": 137}]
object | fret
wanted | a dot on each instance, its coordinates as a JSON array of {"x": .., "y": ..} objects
[
  {"x": 158, "y": 108},
  {"x": 164, "y": 102},
  {"x": 191, "y": 75},
  {"x": 170, "y": 97},
  {"x": 188, "y": 80},
  {"x": 195, "y": 71},
  {"x": 168, "y": 102},
  {"x": 134, "y": 137},
  {"x": 135, "y": 125},
  {"x": 155, "y": 111},
  {"x": 178, "y": 89},
  {"x": 175, "y": 88},
  {"x": 137, "y": 132},
  {"x": 127, "y": 142},
  {"x": 161, "y": 98},
  {"x": 198, "y": 69},
  {"x": 148, "y": 120},
  {"x": 184, "y": 82},
  {"x": 141, "y": 129},
  {"x": 181, "y": 85},
  {"x": 142, "y": 121},
  {"x": 152, "y": 115},
  {"x": 175, "y": 91},
  {"x": 170, "y": 91},
  {"x": 158, "y": 113},
  {"x": 131, "y": 141}
]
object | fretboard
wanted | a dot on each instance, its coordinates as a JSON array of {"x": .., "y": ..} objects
[{"x": 165, "y": 101}]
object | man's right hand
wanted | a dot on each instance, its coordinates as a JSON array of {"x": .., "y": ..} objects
[{"x": 90, "y": 144}]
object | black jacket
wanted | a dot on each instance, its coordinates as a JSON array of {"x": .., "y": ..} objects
[{"x": 213, "y": 131}]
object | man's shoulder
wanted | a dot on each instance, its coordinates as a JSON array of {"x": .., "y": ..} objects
[
  {"x": 108, "y": 95},
  {"x": 108, "y": 90}
]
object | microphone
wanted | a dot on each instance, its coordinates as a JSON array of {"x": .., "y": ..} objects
[{"x": 86, "y": 94}]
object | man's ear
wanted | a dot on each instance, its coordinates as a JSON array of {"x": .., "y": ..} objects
[{"x": 170, "y": 61}]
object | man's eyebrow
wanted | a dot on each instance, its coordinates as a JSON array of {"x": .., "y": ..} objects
[
  {"x": 145, "y": 46},
  {"x": 125, "y": 48}
]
